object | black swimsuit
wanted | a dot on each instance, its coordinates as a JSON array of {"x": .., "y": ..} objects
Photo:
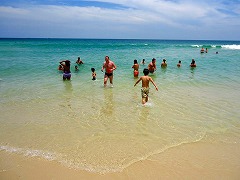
[{"x": 108, "y": 74}]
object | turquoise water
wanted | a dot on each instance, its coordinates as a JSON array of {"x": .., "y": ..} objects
[{"x": 81, "y": 124}]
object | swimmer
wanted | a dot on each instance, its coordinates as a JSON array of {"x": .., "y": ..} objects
[
  {"x": 94, "y": 74},
  {"x": 179, "y": 64},
  {"x": 152, "y": 66},
  {"x": 66, "y": 69},
  {"x": 164, "y": 64},
  {"x": 135, "y": 68},
  {"x": 145, "y": 85},
  {"x": 76, "y": 68},
  {"x": 79, "y": 61},
  {"x": 109, "y": 67},
  {"x": 193, "y": 63}
]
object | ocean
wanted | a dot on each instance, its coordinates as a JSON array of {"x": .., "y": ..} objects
[{"x": 84, "y": 125}]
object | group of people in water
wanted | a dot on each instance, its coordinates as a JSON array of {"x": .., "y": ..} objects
[
  {"x": 109, "y": 66},
  {"x": 152, "y": 65},
  {"x": 64, "y": 65},
  {"x": 204, "y": 50}
]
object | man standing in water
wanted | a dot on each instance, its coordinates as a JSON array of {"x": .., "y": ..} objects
[
  {"x": 109, "y": 67},
  {"x": 152, "y": 66}
]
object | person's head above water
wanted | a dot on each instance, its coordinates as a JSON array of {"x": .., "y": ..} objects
[{"x": 145, "y": 72}]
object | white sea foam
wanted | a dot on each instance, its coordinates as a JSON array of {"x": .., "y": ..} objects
[
  {"x": 234, "y": 46},
  {"x": 29, "y": 152},
  {"x": 196, "y": 45}
]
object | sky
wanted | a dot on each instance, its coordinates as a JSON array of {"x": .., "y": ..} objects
[{"x": 121, "y": 19}]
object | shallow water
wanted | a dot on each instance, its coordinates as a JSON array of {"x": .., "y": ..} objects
[{"x": 84, "y": 125}]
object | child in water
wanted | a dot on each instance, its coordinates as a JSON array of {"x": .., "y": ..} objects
[
  {"x": 179, "y": 63},
  {"x": 94, "y": 75},
  {"x": 135, "y": 68},
  {"x": 76, "y": 68},
  {"x": 145, "y": 85}
]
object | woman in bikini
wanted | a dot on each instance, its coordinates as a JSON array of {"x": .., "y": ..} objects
[
  {"x": 135, "y": 68},
  {"x": 66, "y": 69}
]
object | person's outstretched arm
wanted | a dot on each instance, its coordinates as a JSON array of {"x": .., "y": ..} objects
[
  {"x": 138, "y": 81},
  {"x": 153, "y": 83}
]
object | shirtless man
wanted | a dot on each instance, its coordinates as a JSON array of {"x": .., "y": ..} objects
[
  {"x": 109, "y": 67},
  {"x": 145, "y": 85},
  {"x": 152, "y": 66},
  {"x": 79, "y": 61}
]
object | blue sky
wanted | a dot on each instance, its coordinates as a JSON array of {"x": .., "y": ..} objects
[{"x": 124, "y": 19}]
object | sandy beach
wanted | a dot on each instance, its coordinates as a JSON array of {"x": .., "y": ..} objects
[
  {"x": 78, "y": 129},
  {"x": 76, "y": 102},
  {"x": 189, "y": 161}
]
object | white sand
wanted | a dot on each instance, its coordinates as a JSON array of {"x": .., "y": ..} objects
[{"x": 189, "y": 161}]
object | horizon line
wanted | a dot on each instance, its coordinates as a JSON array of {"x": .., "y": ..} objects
[{"x": 117, "y": 38}]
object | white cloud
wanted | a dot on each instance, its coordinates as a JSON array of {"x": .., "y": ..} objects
[{"x": 190, "y": 17}]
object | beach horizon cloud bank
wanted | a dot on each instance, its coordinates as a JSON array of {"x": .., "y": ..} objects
[{"x": 218, "y": 20}]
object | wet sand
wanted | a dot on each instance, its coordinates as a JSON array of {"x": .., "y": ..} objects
[{"x": 199, "y": 160}]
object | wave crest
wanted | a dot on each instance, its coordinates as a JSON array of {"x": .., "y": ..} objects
[{"x": 233, "y": 46}]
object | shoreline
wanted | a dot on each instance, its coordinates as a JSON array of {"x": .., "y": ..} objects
[{"x": 198, "y": 160}]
